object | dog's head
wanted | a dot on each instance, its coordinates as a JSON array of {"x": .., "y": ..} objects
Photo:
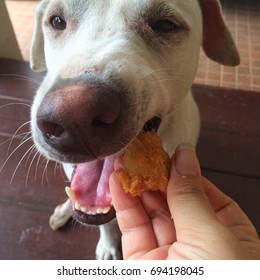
[{"x": 115, "y": 68}]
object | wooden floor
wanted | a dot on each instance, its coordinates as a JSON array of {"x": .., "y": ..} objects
[{"x": 229, "y": 151}]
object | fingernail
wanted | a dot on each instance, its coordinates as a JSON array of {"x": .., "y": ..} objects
[{"x": 186, "y": 163}]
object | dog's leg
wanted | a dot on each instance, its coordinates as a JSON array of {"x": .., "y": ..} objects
[
  {"x": 62, "y": 213},
  {"x": 109, "y": 244}
]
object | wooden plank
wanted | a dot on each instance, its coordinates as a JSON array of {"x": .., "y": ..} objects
[
  {"x": 229, "y": 110},
  {"x": 234, "y": 154},
  {"x": 25, "y": 234},
  {"x": 230, "y": 132}
]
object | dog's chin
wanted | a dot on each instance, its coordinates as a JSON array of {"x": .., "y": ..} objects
[
  {"x": 89, "y": 192},
  {"x": 95, "y": 220}
]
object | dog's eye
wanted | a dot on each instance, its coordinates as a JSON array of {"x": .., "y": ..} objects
[
  {"x": 165, "y": 26},
  {"x": 58, "y": 23}
]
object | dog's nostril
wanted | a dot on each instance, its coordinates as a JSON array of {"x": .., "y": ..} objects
[
  {"x": 50, "y": 129},
  {"x": 104, "y": 119}
]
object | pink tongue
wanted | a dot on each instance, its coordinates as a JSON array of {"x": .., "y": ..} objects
[{"x": 91, "y": 183}]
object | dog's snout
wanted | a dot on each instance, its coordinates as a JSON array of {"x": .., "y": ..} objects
[{"x": 78, "y": 119}]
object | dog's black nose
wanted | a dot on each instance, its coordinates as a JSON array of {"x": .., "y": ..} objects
[{"x": 76, "y": 119}]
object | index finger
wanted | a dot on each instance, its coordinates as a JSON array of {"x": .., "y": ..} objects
[{"x": 134, "y": 223}]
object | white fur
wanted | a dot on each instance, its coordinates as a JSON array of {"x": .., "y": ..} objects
[
  {"x": 62, "y": 213},
  {"x": 108, "y": 247},
  {"x": 103, "y": 40}
]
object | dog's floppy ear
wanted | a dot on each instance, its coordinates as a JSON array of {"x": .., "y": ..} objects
[
  {"x": 218, "y": 43},
  {"x": 37, "y": 59}
]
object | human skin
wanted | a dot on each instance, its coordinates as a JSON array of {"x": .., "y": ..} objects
[{"x": 195, "y": 220}]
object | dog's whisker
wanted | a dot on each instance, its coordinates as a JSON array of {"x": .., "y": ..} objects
[
  {"x": 13, "y": 152},
  {"x": 156, "y": 72},
  {"x": 165, "y": 71},
  {"x": 58, "y": 168},
  {"x": 22, "y": 77},
  {"x": 37, "y": 165},
  {"x": 28, "y": 157},
  {"x": 9, "y": 147},
  {"x": 61, "y": 172},
  {"x": 25, "y": 137},
  {"x": 170, "y": 79},
  {"x": 55, "y": 169},
  {"x": 14, "y": 104},
  {"x": 14, "y": 135},
  {"x": 75, "y": 223},
  {"x": 19, "y": 163},
  {"x": 18, "y": 136},
  {"x": 131, "y": 54},
  {"x": 160, "y": 101},
  {"x": 31, "y": 163},
  {"x": 45, "y": 173},
  {"x": 6, "y": 141}
]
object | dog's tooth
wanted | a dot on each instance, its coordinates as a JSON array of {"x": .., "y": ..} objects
[
  {"x": 77, "y": 205},
  {"x": 71, "y": 194},
  {"x": 102, "y": 210},
  {"x": 83, "y": 209},
  {"x": 90, "y": 212},
  {"x": 106, "y": 210}
]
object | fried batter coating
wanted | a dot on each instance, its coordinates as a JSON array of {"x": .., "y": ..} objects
[{"x": 146, "y": 165}]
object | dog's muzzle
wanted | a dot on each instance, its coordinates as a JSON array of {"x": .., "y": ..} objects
[{"x": 88, "y": 125}]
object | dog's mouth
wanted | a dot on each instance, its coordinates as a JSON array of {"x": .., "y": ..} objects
[{"x": 89, "y": 192}]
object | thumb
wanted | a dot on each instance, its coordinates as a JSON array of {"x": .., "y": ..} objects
[{"x": 187, "y": 200}]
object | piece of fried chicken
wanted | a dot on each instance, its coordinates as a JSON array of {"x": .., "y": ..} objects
[{"x": 146, "y": 165}]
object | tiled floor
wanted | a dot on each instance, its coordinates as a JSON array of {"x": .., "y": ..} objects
[
  {"x": 242, "y": 17},
  {"x": 243, "y": 20}
]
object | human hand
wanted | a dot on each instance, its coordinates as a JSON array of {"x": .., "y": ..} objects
[{"x": 200, "y": 222}]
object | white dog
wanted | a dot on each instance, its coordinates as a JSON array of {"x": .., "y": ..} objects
[{"x": 114, "y": 69}]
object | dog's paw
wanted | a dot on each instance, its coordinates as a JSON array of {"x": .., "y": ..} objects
[
  {"x": 62, "y": 213},
  {"x": 108, "y": 251}
]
